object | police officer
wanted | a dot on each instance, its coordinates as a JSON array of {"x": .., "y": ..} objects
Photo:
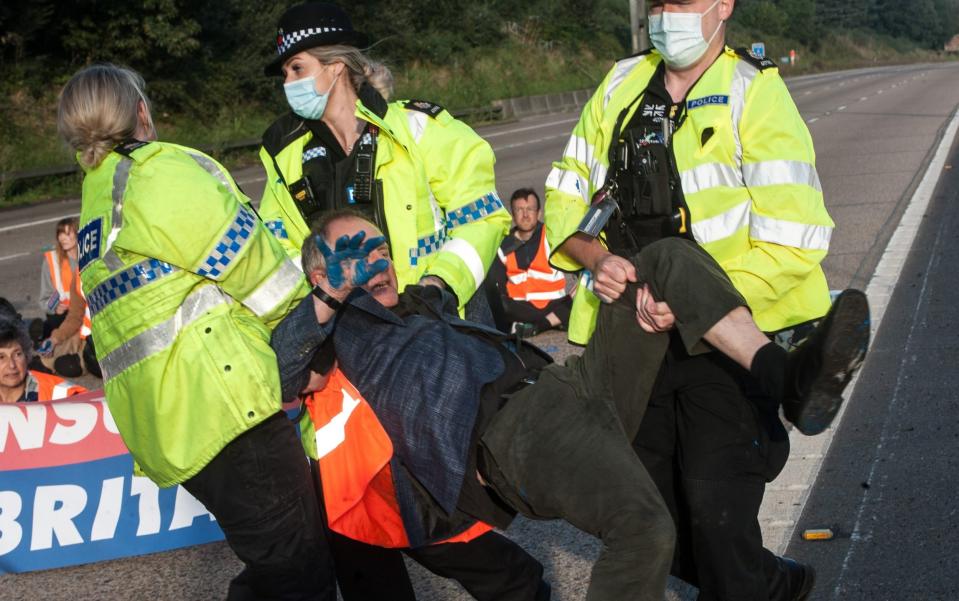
[
  {"x": 426, "y": 179},
  {"x": 184, "y": 284},
  {"x": 697, "y": 140}
]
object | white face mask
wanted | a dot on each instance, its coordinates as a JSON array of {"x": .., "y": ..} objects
[{"x": 679, "y": 36}]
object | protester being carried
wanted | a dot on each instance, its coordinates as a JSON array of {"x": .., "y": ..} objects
[
  {"x": 530, "y": 295},
  {"x": 471, "y": 437}
]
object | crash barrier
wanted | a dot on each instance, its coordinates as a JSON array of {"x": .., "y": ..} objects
[
  {"x": 68, "y": 495},
  {"x": 525, "y": 106}
]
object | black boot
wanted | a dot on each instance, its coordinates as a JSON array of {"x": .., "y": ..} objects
[
  {"x": 788, "y": 579},
  {"x": 818, "y": 371}
]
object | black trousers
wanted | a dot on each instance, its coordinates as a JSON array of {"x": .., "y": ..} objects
[
  {"x": 523, "y": 311},
  {"x": 711, "y": 441},
  {"x": 261, "y": 492},
  {"x": 490, "y": 568},
  {"x": 562, "y": 448}
]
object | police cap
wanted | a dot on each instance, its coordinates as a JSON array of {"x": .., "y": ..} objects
[{"x": 309, "y": 25}]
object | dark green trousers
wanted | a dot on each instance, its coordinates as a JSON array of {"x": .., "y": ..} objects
[{"x": 561, "y": 448}]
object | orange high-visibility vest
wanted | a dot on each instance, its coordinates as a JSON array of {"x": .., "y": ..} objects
[
  {"x": 61, "y": 276},
  {"x": 537, "y": 285},
  {"x": 52, "y": 388},
  {"x": 354, "y": 459}
]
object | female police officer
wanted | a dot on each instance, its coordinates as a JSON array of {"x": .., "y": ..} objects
[
  {"x": 426, "y": 180},
  {"x": 184, "y": 284}
]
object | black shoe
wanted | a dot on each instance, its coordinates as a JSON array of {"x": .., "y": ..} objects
[
  {"x": 68, "y": 366},
  {"x": 35, "y": 329},
  {"x": 800, "y": 579},
  {"x": 820, "y": 368},
  {"x": 525, "y": 329}
]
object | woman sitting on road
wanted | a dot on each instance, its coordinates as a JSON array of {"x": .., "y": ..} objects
[{"x": 57, "y": 272}]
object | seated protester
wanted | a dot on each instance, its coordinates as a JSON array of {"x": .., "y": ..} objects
[
  {"x": 530, "y": 296},
  {"x": 58, "y": 271},
  {"x": 472, "y": 439},
  {"x": 69, "y": 350},
  {"x": 17, "y": 383}
]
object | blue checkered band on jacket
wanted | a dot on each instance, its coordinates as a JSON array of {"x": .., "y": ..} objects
[
  {"x": 312, "y": 153},
  {"x": 427, "y": 246},
  {"x": 227, "y": 248},
  {"x": 279, "y": 230},
  {"x": 128, "y": 280},
  {"x": 288, "y": 39},
  {"x": 474, "y": 211}
]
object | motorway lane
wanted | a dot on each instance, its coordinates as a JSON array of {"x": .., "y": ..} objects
[
  {"x": 874, "y": 130},
  {"x": 887, "y": 487}
]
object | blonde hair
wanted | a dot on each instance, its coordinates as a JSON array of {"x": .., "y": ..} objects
[
  {"x": 98, "y": 110},
  {"x": 67, "y": 224},
  {"x": 362, "y": 69}
]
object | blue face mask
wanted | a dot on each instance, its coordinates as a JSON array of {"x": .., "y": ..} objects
[{"x": 305, "y": 100}]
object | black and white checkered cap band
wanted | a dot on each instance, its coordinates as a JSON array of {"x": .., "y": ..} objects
[{"x": 287, "y": 40}]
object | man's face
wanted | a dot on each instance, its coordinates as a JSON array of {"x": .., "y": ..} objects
[
  {"x": 383, "y": 286},
  {"x": 720, "y": 12},
  {"x": 13, "y": 365},
  {"x": 525, "y": 213}
]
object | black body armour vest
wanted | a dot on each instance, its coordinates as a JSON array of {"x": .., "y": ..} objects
[{"x": 650, "y": 197}]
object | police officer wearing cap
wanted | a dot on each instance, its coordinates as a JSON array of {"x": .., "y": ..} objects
[
  {"x": 426, "y": 180},
  {"x": 697, "y": 140}
]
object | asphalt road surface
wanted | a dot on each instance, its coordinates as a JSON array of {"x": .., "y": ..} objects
[{"x": 881, "y": 478}]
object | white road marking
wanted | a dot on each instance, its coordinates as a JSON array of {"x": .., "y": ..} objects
[
  {"x": 541, "y": 125},
  {"x": 813, "y": 120},
  {"x": 19, "y": 226},
  {"x": 518, "y": 144},
  {"x": 13, "y": 256},
  {"x": 863, "y": 98},
  {"x": 842, "y": 108}
]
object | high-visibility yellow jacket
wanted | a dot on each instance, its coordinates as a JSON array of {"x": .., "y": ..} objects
[
  {"x": 754, "y": 196},
  {"x": 443, "y": 215},
  {"x": 184, "y": 283}
]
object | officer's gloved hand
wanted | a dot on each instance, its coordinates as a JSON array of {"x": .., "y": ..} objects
[{"x": 347, "y": 264}]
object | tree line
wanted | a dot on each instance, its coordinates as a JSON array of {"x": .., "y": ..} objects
[
  {"x": 928, "y": 23},
  {"x": 197, "y": 52}
]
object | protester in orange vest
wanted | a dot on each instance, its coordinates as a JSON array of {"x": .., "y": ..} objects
[
  {"x": 57, "y": 273},
  {"x": 17, "y": 383},
  {"x": 359, "y": 497},
  {"x": 532, "y": 294}
]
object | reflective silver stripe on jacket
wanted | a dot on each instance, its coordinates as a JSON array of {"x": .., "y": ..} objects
[
  {"x": 274, "y": 290},
  {"x": 212, "y": 168},
  {"x": 774, "y": 173},
  {"x": 161, "y": 336},
  {"x": 120, "y": 177},
  {"x": 416, "y": 121},
  {"x": 128, "y": 280}
]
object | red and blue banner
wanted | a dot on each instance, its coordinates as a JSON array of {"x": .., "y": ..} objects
[{"x": 68, "y": 494}]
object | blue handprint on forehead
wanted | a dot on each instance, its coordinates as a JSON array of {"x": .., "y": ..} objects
[{"x": 349, "y": 248}]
